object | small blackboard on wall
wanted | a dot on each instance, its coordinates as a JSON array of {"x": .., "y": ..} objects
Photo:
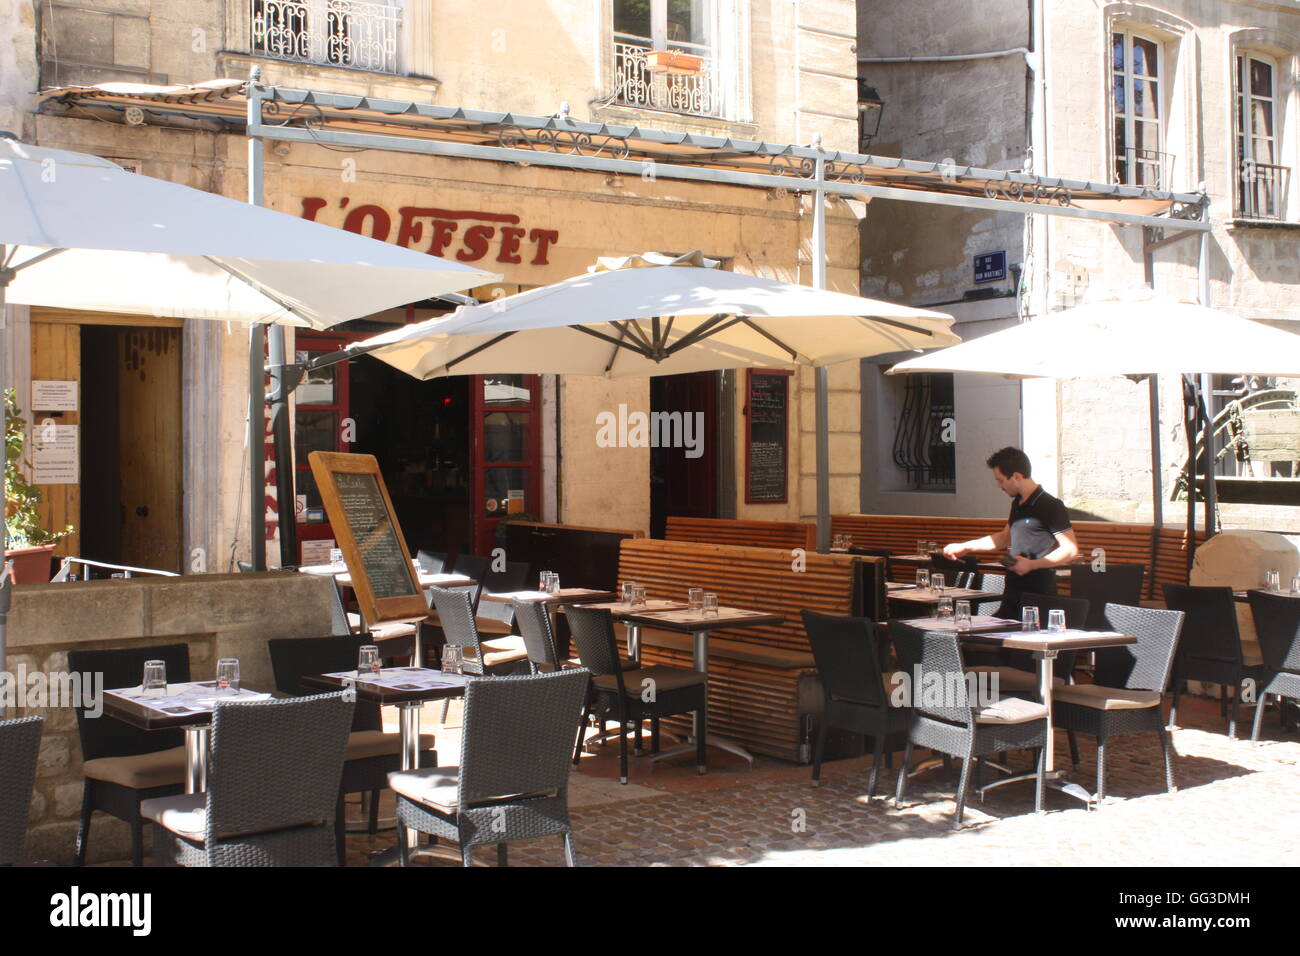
[
  {"x": 361, "y": 514},
  {"x": 767, "y": 421}
]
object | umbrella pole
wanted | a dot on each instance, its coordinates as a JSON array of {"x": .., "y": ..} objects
[
  {"x": 822, "y": 376},
  {"x": 257, "y": 446}
]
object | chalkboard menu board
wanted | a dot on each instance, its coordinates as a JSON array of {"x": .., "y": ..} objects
[
  {"x": 767, "y": 411},
  {"x": 361, "y": 514}
]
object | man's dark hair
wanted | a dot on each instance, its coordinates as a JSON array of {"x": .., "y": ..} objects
[{"x": 1009, "y": 461}]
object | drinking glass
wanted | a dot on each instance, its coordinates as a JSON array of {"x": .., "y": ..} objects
[
  {"x": 228, "y": 675},
  {"x": 544, "y": 582},
  {"x": 555, "y": 583},
  {"x": 920, "y": 545},
  {"x": 368, "y": 660},
  {"x": 336, "y": 556},
  {"x": 695, "y": 599},
  {"x": 453, "y": 660},
  {"x": 943, "y": 608},
  {"x": 1273, "y": 580},
  {"x": 937, "y": 582},
  {"x": 1029, "y": 619},
  {"x": 1295, "y": 584},
  {"x": 1056, "y": 620},
  {"x": 710, "y": 603},
  {"x": 922, "y": 577},
  {"x": 638, "y": 595},
  {"x": 848, "y": 541},
  {"x": 962, "y": 613},
  {"x": 626, "y": 594},
  {"x": 932, "y": 546},
  {"x": 155, "y": 679}
]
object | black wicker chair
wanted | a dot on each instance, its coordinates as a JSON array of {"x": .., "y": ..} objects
[
  {"x": 960, "y": 727},
  {"x": 1130, "y": 682},
  {"x": 123, "y": 765},
  {"x": 856, "y": 697},
  {"x": 1118, "y": 584},
  {"x": 534, "y": 622},
  {"x": 619, "y": 694},
  {"x": 431, "y": 562},
  {"x": 273, "y": 785},
  {"x": 1209, "y": 649},
  {"x": 456, "y": 616},
  {"x": 496, "y": 617},
  {"x": 371, "y": 754},
  {"x": 20, "y": 746},
  {"x": 512, "y": 780},
  {"x": 957, "y": 572},
  {"x": 1277, "y": 624}
]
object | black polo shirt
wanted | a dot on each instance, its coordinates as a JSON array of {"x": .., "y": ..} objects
[{"x": 1036, "y": 523}]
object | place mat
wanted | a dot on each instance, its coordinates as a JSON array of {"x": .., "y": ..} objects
[
  {"x": 405, "y": 678},
  {"x": 1043, "y": 632},
  {"x": 950, "y": 623},
  {"x": 195, "y": 697},
  {"x": 651, "y": 604},
  {"x": 898, "y": 586},
  {"x": 957, "y": 594},
  {"x": 688, "y": 616}
]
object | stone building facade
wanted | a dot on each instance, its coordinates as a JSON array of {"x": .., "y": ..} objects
[
  {"x": 774, "y": 71},
  {"x": 1129, "y": 92}
]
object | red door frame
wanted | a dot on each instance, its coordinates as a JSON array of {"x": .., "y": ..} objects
[
  {"x": 482, "y": 527},
  {"x": 314, "y": 341}
]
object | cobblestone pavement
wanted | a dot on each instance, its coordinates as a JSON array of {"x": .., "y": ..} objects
[{"x": 1236, "y": 805}]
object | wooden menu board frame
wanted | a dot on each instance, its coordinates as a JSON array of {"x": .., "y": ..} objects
[
  {"x": 750, "y": 376},
  {"x": 325, "y": 466}
]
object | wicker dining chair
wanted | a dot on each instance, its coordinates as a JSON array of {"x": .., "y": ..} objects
[
  {"x": 1209, "y": 648},
  {"x": 371, "y": 753},
  {"x": 1277, "y": 624},
  {"x": 1128, "y": 689},
  {"x": 273, "y": 785},
  {"x": 618, "y": 694},
  {"x": 958, "y": 726},
  {"x": 855, "y": 693},
  {"x": 1117, "y": 584},
  {"x": 533, "y": 619},
  {"x": 493, "y": 656},
  {"x": 512, "y": 780},
  {"x": 124, "y": 765},
  {"x": 20, "y": 746}
]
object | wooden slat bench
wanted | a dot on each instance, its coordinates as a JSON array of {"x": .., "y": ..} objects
[
  {"x": 762, "y": 680},
  {"x": 745, "y": 534}
]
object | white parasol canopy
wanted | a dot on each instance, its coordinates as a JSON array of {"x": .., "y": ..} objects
[
  {"x": 131, "y": 243},
  {"x": 655, "y": 315},
  {"x": 1139, "y": 334}
]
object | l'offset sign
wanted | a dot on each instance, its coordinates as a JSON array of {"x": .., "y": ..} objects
[{"x": 466, "y": 235}]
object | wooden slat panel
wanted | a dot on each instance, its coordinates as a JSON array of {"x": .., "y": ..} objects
[{"x": 752, "y": 534}]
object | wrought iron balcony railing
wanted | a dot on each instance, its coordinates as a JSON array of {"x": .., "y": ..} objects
[
  {"x": 635, "y": 84},
  {"x": 1260, "y": 189},
  {"x": 1144, "y": 167},
  {"x": 351, "y": 33}
]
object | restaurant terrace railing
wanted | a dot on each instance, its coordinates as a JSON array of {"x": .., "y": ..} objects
[
  {"x": 350, "y": 33},
  {"x": 1260, "y": 189}
]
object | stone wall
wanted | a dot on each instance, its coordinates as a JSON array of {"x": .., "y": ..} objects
[{"x": 217, "y": 615}]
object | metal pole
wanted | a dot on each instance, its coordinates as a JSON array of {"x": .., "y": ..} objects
[
  {"x": 822, "y": 374},
  {"x": 1207, "y": 390},
  {"x": 1153, "y": 400},
  {"x": 256, "y": 357}
]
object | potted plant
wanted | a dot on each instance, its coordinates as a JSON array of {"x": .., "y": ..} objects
[{"x": 27, "y": 543}]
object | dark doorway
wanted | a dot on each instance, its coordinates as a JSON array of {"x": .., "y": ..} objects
[{"x": 684, "y": 481}]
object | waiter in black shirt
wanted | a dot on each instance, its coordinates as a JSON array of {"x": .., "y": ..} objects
[{"x": 1038, "y": 537}]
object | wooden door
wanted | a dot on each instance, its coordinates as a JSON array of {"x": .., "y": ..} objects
[
  {"x": 56, "y": 356},
  {"x": 150, "y": 465}
]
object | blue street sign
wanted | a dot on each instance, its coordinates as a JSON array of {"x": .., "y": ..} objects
[{"x": 991, "y": 266}]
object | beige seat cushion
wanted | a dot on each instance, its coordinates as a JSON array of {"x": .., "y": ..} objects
[
  {"x": 164, "y": 768},
  {"x": 624, "y": 663},
  {"x": 376, "y": 743},
  {"x": 436, "y": 786},
  {"x": 1010, "y": 710},
  {"x": 665, "y": 678},
  {"x": 185, "y": 814},
  {"x": 1013, "y": 678},
  {"x": 1107, "y": 698},
  {"x": 388, "y": 632},
  {"x": 503, "y": 650}
]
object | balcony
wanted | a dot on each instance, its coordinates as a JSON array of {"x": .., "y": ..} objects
[
  {"x": 348, "y": 33},
  {"x": 1260, "y": 189},
  {"x": 636, "y": 85},
  {"x": 1144, "y": 167}
]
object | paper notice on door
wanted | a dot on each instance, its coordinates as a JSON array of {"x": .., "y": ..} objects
[
  {"x": 54, "y": 455},
  {"x": 50, "y": 396}
]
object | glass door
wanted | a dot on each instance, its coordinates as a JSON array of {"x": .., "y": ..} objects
[
  {"x": 320, "y": 419},
  {"x": 505, "y": 435}
]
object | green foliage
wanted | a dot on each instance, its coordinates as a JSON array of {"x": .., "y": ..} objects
[
  {"x": 505, "y": 523},
  {"x": 22, "y": 523}
]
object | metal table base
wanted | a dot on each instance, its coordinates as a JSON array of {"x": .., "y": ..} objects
[{"x": 700, "y": 641}]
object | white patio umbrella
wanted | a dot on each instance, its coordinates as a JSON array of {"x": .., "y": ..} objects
[
  {"x": 1138, "y": 334},
  {"x": 657, "y": 315},
  {"x": 80, "y": 232},
  {"x": 654, "y": 315}
]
